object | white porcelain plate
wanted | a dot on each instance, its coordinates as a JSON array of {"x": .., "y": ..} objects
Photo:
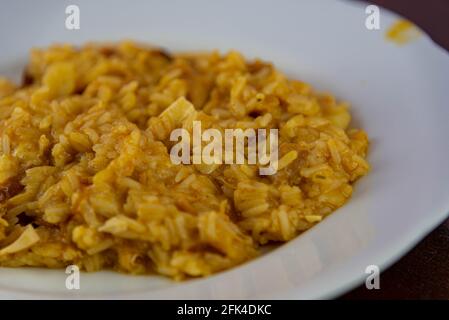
[{"x": 399, "y": 96}]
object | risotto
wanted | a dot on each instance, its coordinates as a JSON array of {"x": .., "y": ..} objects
[{"x": 86, "y": 177}]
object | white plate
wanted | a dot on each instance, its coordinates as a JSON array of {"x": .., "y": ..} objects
[{"x": 399, "y": 95}]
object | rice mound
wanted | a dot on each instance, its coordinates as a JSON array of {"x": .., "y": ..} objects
[{"x": 86, "y": 176}]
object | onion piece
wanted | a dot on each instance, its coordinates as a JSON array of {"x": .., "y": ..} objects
[{"x": 28, "y": 238}]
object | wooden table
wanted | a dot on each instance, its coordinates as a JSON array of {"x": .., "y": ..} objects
[{"x": 422, "y": 274}]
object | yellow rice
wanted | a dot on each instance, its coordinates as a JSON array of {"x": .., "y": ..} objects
[{"x": 86, "y": 177}]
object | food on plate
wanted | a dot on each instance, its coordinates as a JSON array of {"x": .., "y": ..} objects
[{"x": 86, "y": 176}]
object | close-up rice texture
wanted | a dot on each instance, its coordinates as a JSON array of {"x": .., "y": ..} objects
[{"x": 85, "y": 170}]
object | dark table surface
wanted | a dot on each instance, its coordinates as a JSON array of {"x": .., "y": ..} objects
[{"x": 421, "y": 274}]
